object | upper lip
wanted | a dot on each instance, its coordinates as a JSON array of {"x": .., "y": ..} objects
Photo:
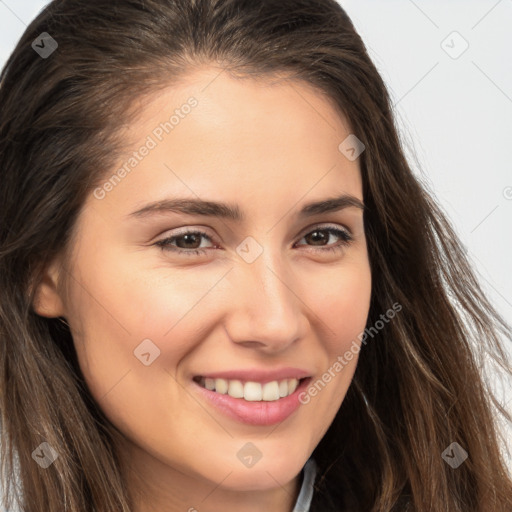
[{"x": 258, "y": 375}]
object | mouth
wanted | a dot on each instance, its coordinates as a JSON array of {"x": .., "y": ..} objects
[
  {"x": 251, "y": 391},
  {"x": 256, "y": 397}
]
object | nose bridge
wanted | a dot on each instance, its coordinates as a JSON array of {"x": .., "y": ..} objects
[{"x": 266, "y": 307}]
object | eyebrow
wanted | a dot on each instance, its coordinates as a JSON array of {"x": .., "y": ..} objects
[{"x": 233, "y": 212}]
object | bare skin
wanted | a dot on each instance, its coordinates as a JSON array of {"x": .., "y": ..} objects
[{"x": 269, "y": 148}]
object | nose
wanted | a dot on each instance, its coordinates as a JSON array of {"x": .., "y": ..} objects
[{"x": 265, "y": 308}]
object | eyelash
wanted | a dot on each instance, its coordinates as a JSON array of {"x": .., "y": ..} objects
[{"x": 165, "y": 244}]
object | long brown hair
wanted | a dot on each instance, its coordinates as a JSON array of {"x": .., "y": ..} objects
[{"x": 419, "y": 383}]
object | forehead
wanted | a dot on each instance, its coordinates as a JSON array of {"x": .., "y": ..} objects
[{"x": 213, "y": 135}]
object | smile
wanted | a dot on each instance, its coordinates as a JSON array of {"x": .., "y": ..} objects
[
  {"x": 250, "y": 391},
  {"x": 257, "y": 402}
]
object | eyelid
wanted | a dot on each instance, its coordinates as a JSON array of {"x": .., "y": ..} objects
[
  {"x": 201, "y": 230},
  {"x": 325, "y": 225},
  {"x": 336, "y": 229}
]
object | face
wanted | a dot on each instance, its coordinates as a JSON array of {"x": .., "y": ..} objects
[{"x": 166, "y": 300}]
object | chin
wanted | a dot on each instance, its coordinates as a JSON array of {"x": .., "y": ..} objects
[
  {"x": 263, "y": 475},
  {"x": 257, "y": 480}
]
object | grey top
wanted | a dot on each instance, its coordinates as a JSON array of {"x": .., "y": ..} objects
[{"x": 306, "y": 491}]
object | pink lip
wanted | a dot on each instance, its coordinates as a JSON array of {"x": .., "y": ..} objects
[
  {"x": 254, "y": 413},
  {"x": 261, "y": 376}
]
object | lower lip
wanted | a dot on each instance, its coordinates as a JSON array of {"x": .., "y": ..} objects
[{"x": 259, "y": 413}]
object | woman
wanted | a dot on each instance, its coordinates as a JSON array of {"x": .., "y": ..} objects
[{"x": 318, "y": 329}]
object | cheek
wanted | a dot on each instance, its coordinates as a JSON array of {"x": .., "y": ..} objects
[
  {"x": 115, "y": 308},
  {"x": 342, "y": 302}
]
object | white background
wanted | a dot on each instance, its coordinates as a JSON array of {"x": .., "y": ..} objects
[{"x": 455, "y": 114}]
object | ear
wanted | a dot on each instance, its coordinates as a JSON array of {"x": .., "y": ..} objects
[{"x": 47, "y": 298}]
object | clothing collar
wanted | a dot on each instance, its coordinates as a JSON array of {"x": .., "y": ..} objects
[{"x": 303, "y": 502}]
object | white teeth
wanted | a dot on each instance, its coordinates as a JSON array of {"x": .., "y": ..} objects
[
  {"x": 252, "y": 391},
  {"x": 270, "y": 391},
  {"x": 236, "y": 389},
  {"x": 283, "y": 388},
  {"x": 292, "y": 385},
  {"x": 221, "y": 386}
]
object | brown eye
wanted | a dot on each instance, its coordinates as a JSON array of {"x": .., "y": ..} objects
[
  {"x": 188, "y": 243},
  {"x": 319, "y": 237}
]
